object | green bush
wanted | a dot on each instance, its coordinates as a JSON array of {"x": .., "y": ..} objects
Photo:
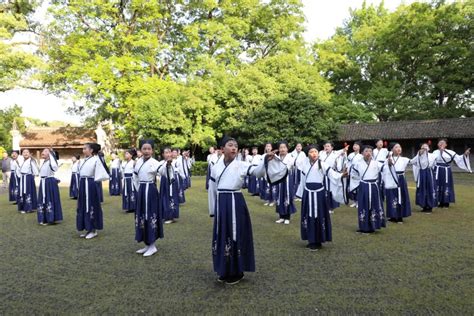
[{"x": 199, "y": 168}]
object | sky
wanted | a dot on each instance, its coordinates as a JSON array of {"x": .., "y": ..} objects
[{"x": 322, "y": 18}]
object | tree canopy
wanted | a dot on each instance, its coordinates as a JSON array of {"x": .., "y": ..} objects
[{"x": 185, "y": 72}]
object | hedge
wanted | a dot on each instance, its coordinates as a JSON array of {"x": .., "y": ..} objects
[{"x": 199, "y": 168}]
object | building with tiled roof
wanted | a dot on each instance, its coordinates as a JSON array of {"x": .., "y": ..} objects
[{"x": 459, "y": 132}]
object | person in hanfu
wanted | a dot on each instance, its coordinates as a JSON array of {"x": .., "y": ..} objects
[
  {"x": 115, "y": 183},
  {"x": 169, "y": 194},
  {"x": 14, "y": 185},
  {"x": 179, "y": 169},
  {"x": 253, "y": 181},
  {"x": 27, "y": 196},
  {"x": 285, "y": 193},
  {"x": 443, "y": 173},
  {"x": 364, "y": 176},
  {"x": 335, "y": 159},
  {"x": 49, "y": 199},
  {"x": 267, "y": 191},
  {"x": 187, "y": 163},
  {"x": 380, "y": 154},
  {"x": 299, "y": 157},
  {"x": 232, "y": 241},
  {"x": 210, "y": 157},
  {"x": 246, "y": 157},
  {"x": 148, "y": 215},
  {"x": 129, "y": 199},
  {"x": 423, "y": 164},
  {"x": 98, "y": 184},
  {"x": 74, "y": 183},
  {"x": 92, "y": 172},
  {"x": 315, "y": 218},
  {"x": 397, "y": 199},
  {"x": 352, "y": 158}
]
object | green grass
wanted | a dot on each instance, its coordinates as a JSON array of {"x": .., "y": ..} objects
[{"x": 424, "y": 266}]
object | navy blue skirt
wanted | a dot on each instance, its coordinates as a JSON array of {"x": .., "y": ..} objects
[
  {"x": 89, "y": 215},
  {"x": 129, "y": 198},
  {"x": 253, "y": 185},
  {"x": 315, "y": 230},
  {"x": 285, "y": 204},
  {"x": 444, "y": 183},
  {"x": 425, "y": 189},
  {"x": 74, "y": 186},
  {"x": 148, "y": 220},
  {"x": 370, "y": 210},
  {"x": 100, "y": 191},
  {"x": 169, "y": 199},
  {"x": 27, "y": 197},
  {"x": 232, "y": 256},
  {"x": 49, "y": 201},
  {"x": 395, "y": 209},
  {"x": 182, "y": 198},
  {"x": 297, "y": 179},
  {"x": 13, "y": 188},
  {"x": 208, "y": 175},
  {"x": 115, "y": 183}
]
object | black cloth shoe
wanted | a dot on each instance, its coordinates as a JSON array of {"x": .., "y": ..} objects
[{"x": 234, "y": 279}]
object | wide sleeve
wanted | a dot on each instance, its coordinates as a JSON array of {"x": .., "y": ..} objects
[
  {"x": 100, "y": 173},
  {"x": 212, "y": 193},
  {"x": 389, "y": 176},
  {"x": 462, "y": 161},
  {"x": 53, "y": 162},
  {"x": 336, "y": 186},
  {"x": 34, "y": 167},
  {"x": 302, "y": 185},
  {"x": 256, "y": 169}
]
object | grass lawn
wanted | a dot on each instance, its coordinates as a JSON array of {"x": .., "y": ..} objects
[{"x": 424, "y": 266}]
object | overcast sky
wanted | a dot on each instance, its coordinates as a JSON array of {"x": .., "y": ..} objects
[{"x": 322, "y": 16}]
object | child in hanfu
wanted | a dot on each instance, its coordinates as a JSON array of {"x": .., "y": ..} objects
[
  {"x": 315, "y": 217},
  {"x": 148, "y": 215},
  {"x": 26, "y": 173},
  {"x": 49, "y": 200},
  {"x": 443, "y": 173},
  {"x": 129, "y": 202},
  {"x": 232, "y": 241},
  {"x": 423, "y": 164}
]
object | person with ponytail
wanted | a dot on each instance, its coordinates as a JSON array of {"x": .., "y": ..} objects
[
  {"x": 49, "y": 199},
  {"x": 92, "y": 172},
  {"x": 129, "y": 202},
  {"x": 27, "y": 196}
]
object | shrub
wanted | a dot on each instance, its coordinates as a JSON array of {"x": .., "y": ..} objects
[{"x": 199, "y": 168}]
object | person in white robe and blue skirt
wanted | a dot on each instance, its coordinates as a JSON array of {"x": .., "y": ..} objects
[
  {"x": 380, "y": 154},
  {"x": 443, "y": 173},
  {"x": 285, "y": 193},
  {"x": 210, "y": 157},
  {"x": 74, "y": 183},
  {"x": 148, "y": 215},
  {"x": 115, "y": 182},
  {"x": 49, "y": 199},
  {"x": 397, "y": 199},
  {"x": 352, "y": 158},
  {"x": 315, "y": 218},
  {"x": 268, "y": 192},
  {"x": 13, "y": 188},
  {"x": 169, "y": 194},
  {"x": 232, "y": 240},
  {"x": 92, "y": 170},
  {"x": 299, "y": 157},
  {"x": 27, "y": 196},
  {"x": 335, "y": 159},
  {"x": 129, "y": 202},
  {"x": 253, "y": 182},
  {"x": 364, "y": 176},
  {"x": 423, "y": 164},
  {"x": 179, "y": 167}
]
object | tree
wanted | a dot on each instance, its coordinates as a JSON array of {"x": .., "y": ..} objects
[
  {"x": 15, "y": 62},
  {"x": 9, "y": 117},
  {"x": 413, "y": 63}
]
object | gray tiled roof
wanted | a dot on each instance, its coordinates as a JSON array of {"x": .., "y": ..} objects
[{"x": 449, "y": 128}]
